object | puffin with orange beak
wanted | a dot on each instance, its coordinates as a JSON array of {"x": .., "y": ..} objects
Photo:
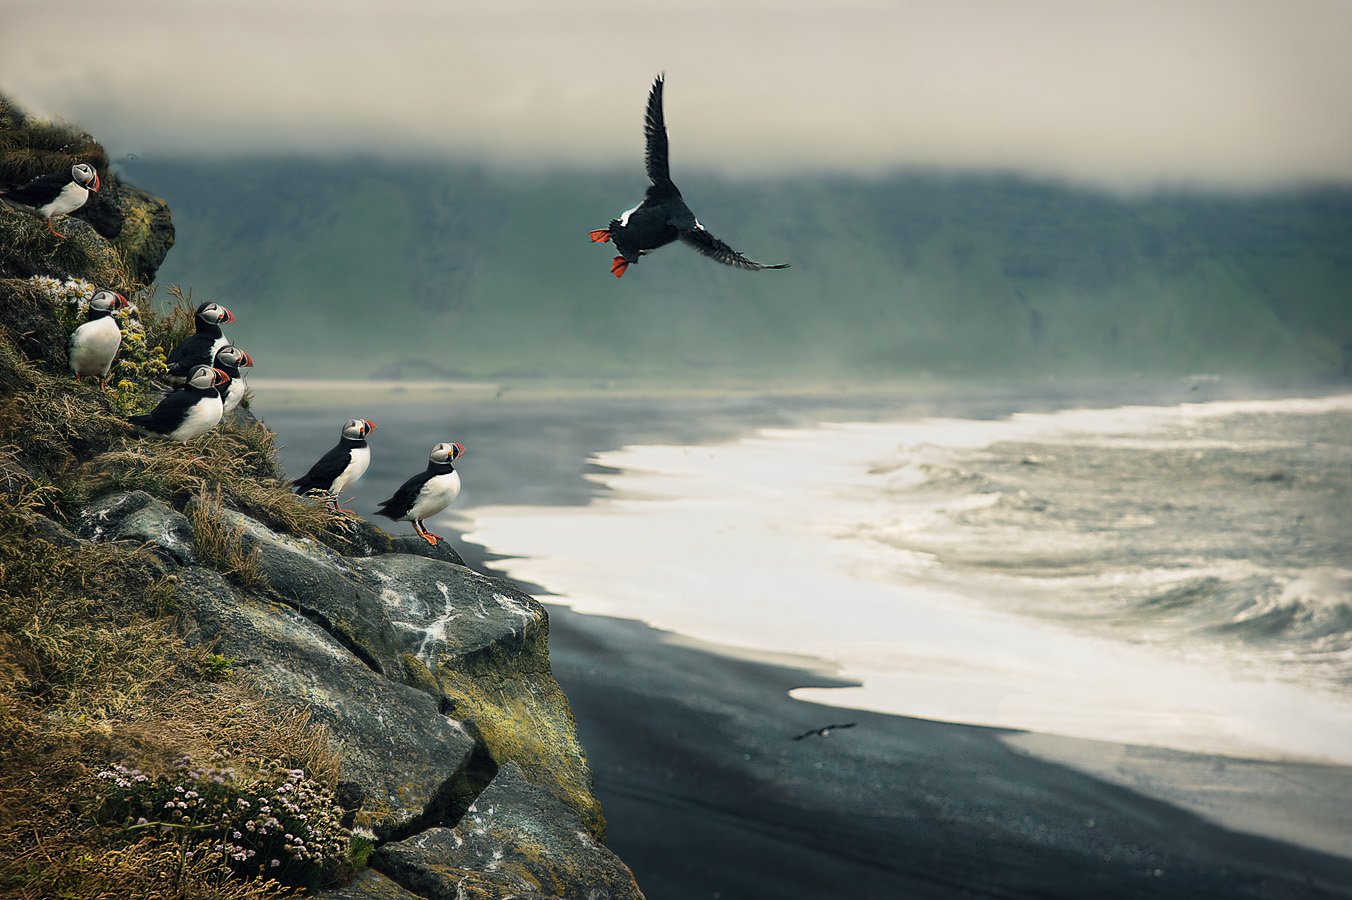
[
  {"x": 94, "y": 345},
  {"x": 58, "y": 194},
  {"x": 192, "y": 410},
  {"x": 201, "y": 348},
  {"x": 230, "y": 360},
  {"x": 427, "y": 493},
  {"x": 662, "y": 216},
  {"x": 339, "y": 469}
]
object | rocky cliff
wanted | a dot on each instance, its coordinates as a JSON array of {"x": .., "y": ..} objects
[{"x": 209, "y": 687}]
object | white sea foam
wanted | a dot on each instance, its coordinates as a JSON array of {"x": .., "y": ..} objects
[{"x": 779, "y": 543}]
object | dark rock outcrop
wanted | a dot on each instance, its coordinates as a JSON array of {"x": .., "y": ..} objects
[
  {"x": 396, "y": 744},
  {"x": 517, "y": 840},
  {"x": 434, "y": 681},
  {"x": 137, "y": 516}
]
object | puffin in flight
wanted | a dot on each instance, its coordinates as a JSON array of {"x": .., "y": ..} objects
[
  {"x": 339, "y": 469},
  {"x": 192, "y": 410},
  {"x": 57, "y": 194},
  {"x": 428, "y": 492},
  {"x": 94, "y": 345},
  {"x": 230, "y": 359},
  {"x": 663, "y": 217},
  {"x": 207, "y": 339}
]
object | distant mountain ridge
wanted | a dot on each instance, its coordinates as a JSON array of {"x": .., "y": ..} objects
[{"x": 350, "y": 267}]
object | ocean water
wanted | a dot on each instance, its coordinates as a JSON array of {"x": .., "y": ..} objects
[{"x": 1177, "y": 575}]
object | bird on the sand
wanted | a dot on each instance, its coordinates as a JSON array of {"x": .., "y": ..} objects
[
  {"x": 57, "y": 194},
  {"x": 192, "y": 410},
  {"x": 200, "y": 349},
  {"x": 339, "y": 469},
  {"x": 663, "y": 217},
  {"x": 94, "y": 345},
  {"x": 230, "y": 359},
  {"x": 427, "y": 493},
  {"x": 824, "y": 731}
]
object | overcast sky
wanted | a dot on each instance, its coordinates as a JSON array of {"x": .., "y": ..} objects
[{"x": 1225, "y": 92}]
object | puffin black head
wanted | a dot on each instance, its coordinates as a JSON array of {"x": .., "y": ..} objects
[
  {"x": 356, "y": 429},
  {"x": 85, "y": 176},
  {"x": 214, "y": 314},
  {"x": 106, "y": 302},
  {"x": 203, "y": 377},
  {"x": 234, "y": 357},
  {"x": 444, "y": 453}
]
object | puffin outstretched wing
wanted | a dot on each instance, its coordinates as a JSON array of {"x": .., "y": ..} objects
[
  {"x": 655, "y": 133},
  {"x": 699, "y": 238}
]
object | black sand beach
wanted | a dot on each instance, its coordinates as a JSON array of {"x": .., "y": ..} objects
[{"x": 708, "y": 795}]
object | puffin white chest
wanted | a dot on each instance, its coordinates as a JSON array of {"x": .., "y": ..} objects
[
  {"x": 358, "y": 462},
  {"x": 71, "y": 198},
  {"x": 234, "y": 392},
  {"x": 93, "y": 346},
  {"x": 200, "y": 418},
  {"x": 436, "y": 494}
]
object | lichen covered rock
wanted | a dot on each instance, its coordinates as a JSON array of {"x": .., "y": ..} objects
[
  {"x": 517, "y": 840},
  {"x": 137, "y": 516},
  {"x": 485, "y": 646},
  {"x": 396, "y": 745}
]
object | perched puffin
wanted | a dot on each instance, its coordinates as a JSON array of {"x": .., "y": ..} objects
[
  {"x": 339, "y": 469},
  {"x": 663, "y": 217},
  {"x": 57, "y": 194},
  {"x": 230, "y": 359},
  {"x": 93, "y": 346},
  {"x": 200, "y": 349},
  {"x": 189, "y": 411},
  {"x": 428, "y": 492}
]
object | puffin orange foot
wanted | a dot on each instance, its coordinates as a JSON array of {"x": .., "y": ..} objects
[
  {"x": 53, "y": 230},
  {"x": 618, "y": 265},
  {"x": 600, "y": 236}
]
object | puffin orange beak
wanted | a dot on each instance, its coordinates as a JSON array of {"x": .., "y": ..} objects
[
  {"x": 95, "y": 186},
  {"x": 122, "y": 302},
  {"x": 248, "y": 360},
  {"x": 221, "y": 377},
  {"x": 370, "y": 426},
  {"x": 229, "y": 316},
  {"x": 459, "y": 450}
]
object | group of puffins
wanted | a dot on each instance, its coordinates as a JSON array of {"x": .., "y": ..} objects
[{"x": 207, "y": 367}]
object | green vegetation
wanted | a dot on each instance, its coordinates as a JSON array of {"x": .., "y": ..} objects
[{"x": 442, "y": 271}]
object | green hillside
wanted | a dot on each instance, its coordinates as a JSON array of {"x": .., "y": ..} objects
[{"x": 348, "y": 267}]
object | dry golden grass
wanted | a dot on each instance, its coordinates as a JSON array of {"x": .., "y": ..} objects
[{"x": 223, "y": 545}]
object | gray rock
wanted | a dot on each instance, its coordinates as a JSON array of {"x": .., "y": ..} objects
[
  {"x": 483, "y": 646},
  {"x": 406, "y": 757},
  {"x": 413, "y": 545},
  {"x": 137, "y": 516},
  {"x": 445, "y": 613},
  {"x": 318, "y": 582},
  {"x": 369, "y": 885},
  {"x": 516, "y": 840}
]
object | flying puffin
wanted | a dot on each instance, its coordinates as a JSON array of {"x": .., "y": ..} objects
[
  {"x": 230, "y": 359},
  {"x": 93, "y": 345},
  {"x": 200, "y": 349},
  {"x": 57, "y": 194},
  {"x": 663, "y": 217},
  {"x": 428, "y": 492},
  {"x": 339, "y": 469},
  {"x": 824, "y": 731},
  {"x": 191, "y": 410}
]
